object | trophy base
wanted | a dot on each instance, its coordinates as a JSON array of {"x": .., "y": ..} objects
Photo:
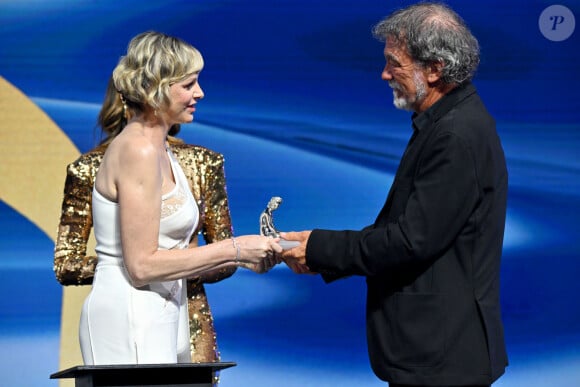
[{"x": 287, "y": 245}]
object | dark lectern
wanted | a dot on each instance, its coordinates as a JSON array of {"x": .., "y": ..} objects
[{"x": 159, "y": 375}]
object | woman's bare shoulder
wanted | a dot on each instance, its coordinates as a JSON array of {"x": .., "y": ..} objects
[{"x": 131, "y": 148}]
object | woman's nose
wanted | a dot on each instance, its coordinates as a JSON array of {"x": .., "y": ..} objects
[{"x": 198, "y": 92}]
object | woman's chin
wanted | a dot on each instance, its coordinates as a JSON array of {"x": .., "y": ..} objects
[{"x": 186, "y": 119}]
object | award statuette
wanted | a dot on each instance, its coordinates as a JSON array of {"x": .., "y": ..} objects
[{"x": 267, "y": 223}]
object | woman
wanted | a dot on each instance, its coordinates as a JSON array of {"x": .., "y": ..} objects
[
  {"x": 204, "y": 170},
  {"x": 144, "y": 216}
]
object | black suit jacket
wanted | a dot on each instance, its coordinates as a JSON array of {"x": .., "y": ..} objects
[{"x": 432, "y": 257}]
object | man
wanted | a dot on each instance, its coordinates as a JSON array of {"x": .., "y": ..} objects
[{"x": 432, "y": 256}]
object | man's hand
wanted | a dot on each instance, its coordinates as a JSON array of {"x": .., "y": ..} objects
[{"x": 295, "y": 258}]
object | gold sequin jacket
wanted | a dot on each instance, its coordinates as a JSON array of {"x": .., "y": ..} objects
[{"x": 204, "y": 170}]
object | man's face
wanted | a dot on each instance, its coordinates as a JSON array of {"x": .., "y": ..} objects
[{"x": 405, "y": 77}]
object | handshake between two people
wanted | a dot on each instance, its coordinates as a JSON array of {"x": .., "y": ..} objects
[{"x": 273, "y": 251}]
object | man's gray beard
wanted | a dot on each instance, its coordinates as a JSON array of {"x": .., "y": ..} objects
[
  {"x": 408, "y": 104},
  {"x": 401, "y": 102}
]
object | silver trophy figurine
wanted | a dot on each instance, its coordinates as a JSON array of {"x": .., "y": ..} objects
[{"x": 267, "y": 223}]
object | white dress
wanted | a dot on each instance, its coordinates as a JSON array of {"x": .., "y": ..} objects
[{"x": 121, "y": 324}]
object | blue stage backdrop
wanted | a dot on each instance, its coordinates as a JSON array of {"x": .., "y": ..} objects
[{"x": 295, "y": 102}]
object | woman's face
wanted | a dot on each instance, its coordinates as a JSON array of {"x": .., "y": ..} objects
[{"x": 184, "y": 96}]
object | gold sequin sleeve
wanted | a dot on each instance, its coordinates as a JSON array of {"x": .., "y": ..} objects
[
  {"x": 71, "y": 264},
  {"x": 217, "y": 224},
  {"x": 204, "y": 169}
]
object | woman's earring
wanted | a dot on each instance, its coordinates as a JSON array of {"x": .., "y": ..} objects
[{"x": 124, "y": 106}]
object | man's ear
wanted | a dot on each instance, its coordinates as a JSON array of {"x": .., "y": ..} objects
[{"x": 434, "y": 71}]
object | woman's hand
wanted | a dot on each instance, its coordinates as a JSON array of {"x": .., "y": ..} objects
[{"x": 258, "y": 253}]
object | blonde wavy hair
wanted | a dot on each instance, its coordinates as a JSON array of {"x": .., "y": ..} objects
[
  {"x": 113, "y": 117},
  {"x": 154, "y": 61}
]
